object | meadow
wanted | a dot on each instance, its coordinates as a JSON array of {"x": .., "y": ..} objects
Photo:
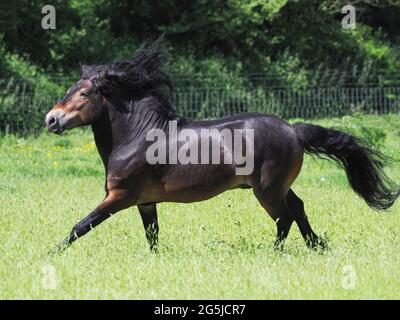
[{"x": 217, "y": 249}]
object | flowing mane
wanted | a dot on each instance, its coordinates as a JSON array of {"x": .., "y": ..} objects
[
  {"x": 135, "y": 77},
  {"x": 141, "y": 73}
]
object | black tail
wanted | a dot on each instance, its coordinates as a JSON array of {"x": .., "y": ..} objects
[{"x": 364, "y": 166}]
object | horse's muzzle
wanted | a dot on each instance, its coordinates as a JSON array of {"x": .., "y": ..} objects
[{"x": 55, "y": 121}]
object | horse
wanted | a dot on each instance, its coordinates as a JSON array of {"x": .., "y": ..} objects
[{"x": 124, "y": 100}]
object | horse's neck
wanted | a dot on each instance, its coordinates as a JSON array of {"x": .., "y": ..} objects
[
  {"x": 121, "y": 130},
  {"x": 102, "y": 132}
]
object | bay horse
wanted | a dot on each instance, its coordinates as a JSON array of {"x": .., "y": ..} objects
[{"x": 125, "y": 99}]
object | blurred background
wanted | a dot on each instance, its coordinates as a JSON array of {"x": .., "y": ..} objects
[{"x": 289, "y": 58}]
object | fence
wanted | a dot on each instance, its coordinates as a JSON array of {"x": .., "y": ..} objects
[
  {"x": 288, "y": 103},
  {"x": 24, "y": 114}
]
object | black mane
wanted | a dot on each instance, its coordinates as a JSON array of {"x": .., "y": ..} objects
[
  {"x": 135, "y": 78},
  {"x": 139, "y": 74}
]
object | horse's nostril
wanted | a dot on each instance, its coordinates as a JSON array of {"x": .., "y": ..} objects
[{"x": 52, "y": 121}]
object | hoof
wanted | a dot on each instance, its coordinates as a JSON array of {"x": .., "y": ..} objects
[
  {"x": 278, "y": 245},
  {"x": 317, "y": 243},
  {"x": 154, "y": 248},
  {"x": 60, "y": 247}
]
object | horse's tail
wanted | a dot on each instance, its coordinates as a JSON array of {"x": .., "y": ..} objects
[{"x": 363, "y": 165}]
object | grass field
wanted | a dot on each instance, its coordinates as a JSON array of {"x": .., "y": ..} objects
[{"x": 220, "y": 248}]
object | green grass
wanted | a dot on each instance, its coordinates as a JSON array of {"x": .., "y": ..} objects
[{"x": 220, "y": 248}]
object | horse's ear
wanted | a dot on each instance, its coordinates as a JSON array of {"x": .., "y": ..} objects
[
  {"x": 100, "y": 80},
  {"x": 103, "y": 75}
]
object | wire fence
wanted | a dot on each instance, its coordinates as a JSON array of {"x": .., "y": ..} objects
[
  {"x": 289, "y": 103},
  {"x": 24, "y": 114}
]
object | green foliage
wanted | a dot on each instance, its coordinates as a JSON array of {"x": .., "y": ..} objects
[
  {"x": 375, "y": 136},
  {"x": 379, "y": 53},
  {"x": 245, "y": 36},
  {"x": 35, "y": 79}
]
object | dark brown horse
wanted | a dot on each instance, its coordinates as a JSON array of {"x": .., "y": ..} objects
[{"x": 125, "y": 100}]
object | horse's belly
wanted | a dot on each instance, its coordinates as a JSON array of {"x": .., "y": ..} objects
[
  {"x": 192, "y": 183},
  {"x": 186, "y": 196}
]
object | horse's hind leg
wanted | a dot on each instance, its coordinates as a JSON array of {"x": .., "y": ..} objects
[
  {"x": 279, "y": 212},
  {"x": 296, "y": 207}
]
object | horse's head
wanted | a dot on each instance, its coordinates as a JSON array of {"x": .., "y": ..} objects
[
  {"x": 81, "y": 106},
  {"x": 125, "y": 79}
]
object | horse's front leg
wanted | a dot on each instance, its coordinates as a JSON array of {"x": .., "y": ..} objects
[
  {"x": 114, "y": 202},
  {"x": 148, "y": 212}
]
